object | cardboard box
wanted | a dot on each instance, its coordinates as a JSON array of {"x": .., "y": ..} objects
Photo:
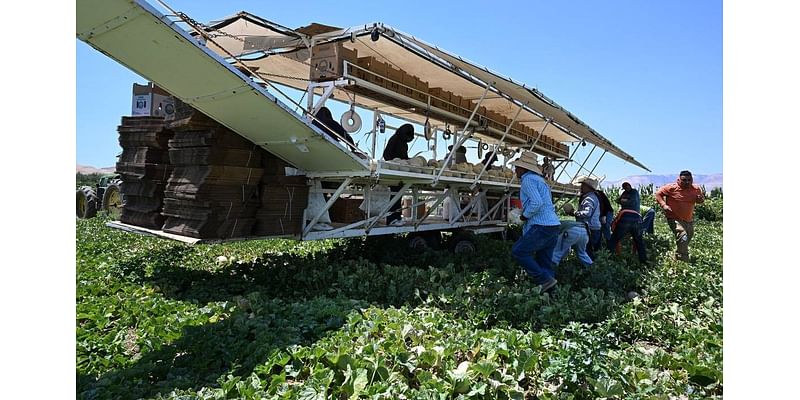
[
  {"x": 152, "y": 101},
  {"x": 327, "y": 60}
]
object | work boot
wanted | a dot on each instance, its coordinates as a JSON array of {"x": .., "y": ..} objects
[{"x": 548, "y": 286}]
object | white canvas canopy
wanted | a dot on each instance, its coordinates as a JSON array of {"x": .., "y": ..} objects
[{"x": 282, "y": 55}]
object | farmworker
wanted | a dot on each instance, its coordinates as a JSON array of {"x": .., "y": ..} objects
[
  {"x": 589, "y": 212},
  {"x": 629, "y": 221},
  {"x": 572, "y": 235},
  {"x": 606, "y": 216},
  {"x": 489, "y": 160},
  {"x": 324, "y": 121},
  {"x": 534, "y": 250},
  {"x": 459, "y": 157},
  {"x": 548, "y": 170},
  {"x": 397, "y": 148},
  {"x": 678, "y": 200}
]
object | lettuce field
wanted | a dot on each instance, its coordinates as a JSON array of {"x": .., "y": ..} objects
[{"x": 366, "y": 318}]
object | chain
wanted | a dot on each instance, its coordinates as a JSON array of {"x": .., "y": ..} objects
[{"x": 208, "y": 28}]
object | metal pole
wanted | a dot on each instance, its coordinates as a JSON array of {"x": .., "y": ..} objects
[
  {"x": 568, "y": 161},
  {"x": 428, "y": 212},
  {"x": 375, "y": 116},
  {"x": 494, "y": 150},
  {"x": 465, "y": 209},
  {"x": 598, "y": 162},
  {"x": 584, "y": 161},
  {"x": 328, "y": 205},
  {"x": 464, "y": 138},
  {"x": 494, "y": 208},
  {"x": 539, "y": 136},
  {"x": 386, "y": 208}
]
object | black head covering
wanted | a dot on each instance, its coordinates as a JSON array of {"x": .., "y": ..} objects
[
  {"x": 324, "y": 120},
  {"x": 324, "y": 114},
  {"x": 406, "y": 131}
]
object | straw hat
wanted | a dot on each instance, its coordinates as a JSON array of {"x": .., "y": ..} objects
[
  {"x": 587, "y": 180},
  {"x": 527, "y": 160}
]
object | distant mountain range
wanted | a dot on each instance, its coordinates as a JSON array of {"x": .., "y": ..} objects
[
  {"x": 709, "y": 181},
  {"x": 87, "y": 169}
]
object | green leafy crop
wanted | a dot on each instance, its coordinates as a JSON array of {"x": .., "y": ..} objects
[{"x": 364, "y": 318}]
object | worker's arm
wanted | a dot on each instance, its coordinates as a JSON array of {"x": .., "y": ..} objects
[
  {"x": 659, "y": 196},
  {"x": 701, "y": 198},
  {"x": 587, "y": 207}
]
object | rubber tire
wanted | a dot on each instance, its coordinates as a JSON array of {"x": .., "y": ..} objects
[
  {"x": 86, "y": 195},
  {"x": 424, "y": 241},
  {"x": 463, "y": 243},
  {"x": 114, "y": 210}
]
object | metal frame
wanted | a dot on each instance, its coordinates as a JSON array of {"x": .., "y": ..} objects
[{"x": 420, "y": 185}]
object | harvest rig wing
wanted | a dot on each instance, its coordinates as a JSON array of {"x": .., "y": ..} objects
[{"x": 237, "y": 70}]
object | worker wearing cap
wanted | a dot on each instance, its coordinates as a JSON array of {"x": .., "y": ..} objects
[
  {"x": 534, "y": 250},
  {"x": 678, "y": 200},
  {"x": 589, "y": 212}
]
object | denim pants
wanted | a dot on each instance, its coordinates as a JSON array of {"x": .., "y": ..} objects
[
  {"x": 648, "y": 221},
  {"x": 629, "y": 224},
  {"x": 594, "y": 242},
  {"x": 534, "y": 252},
  {"x": 606, "y": 228},
  {"x": 574, "y": 238}
]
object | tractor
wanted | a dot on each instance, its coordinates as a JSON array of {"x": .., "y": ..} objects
[{"x": 106, "y": 195}]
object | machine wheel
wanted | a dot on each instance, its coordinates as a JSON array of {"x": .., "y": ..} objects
[
  {"x": 424, "y": 241},
  {"x": 112, "y": 199},
  {"x": 85, "y": 202},
  {"x": 462, "y": 243}
]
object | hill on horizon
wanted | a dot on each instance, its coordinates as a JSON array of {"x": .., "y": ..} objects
[
  {"x": 88, "y": 169},
  {"x": 708, "y": 180}
]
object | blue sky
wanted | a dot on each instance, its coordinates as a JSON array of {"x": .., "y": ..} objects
[{"x": 647, "y": 75}]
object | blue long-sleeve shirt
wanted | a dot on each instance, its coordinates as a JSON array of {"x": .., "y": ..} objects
[
  {"x": 630, "y": 200},
  {"x": 537, "y": 202},
  {"x": 589, "y": 211}
]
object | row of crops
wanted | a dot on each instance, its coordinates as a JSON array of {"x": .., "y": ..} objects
[{"x": 368, "y": 319}]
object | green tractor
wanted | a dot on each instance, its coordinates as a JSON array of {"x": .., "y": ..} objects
[{"x": 106, "y": 195}]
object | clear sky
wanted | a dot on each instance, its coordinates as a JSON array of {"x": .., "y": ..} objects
[{"x": 647, "y": 75}]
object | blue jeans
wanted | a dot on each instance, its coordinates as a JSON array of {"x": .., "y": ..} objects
[
  {"x": 594, "y": 242},
  {"x": 633, "y": 225},
  {"x": 605, "y": 229},
  {"x": 648, "y": 220},
  {"x": 540, "y": 240},
  {"x": 575, "y": 238}
]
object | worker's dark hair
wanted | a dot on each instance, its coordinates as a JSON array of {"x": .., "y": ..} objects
[
  {"x": 406, "y": 130},
  {"x": 686, "y": 173},
  {"x": 324, "y": 113}
]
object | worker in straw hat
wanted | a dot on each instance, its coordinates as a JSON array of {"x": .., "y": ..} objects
[
  {"x": 534, "y": 250},
  {"x": 589, "y": 211}
]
